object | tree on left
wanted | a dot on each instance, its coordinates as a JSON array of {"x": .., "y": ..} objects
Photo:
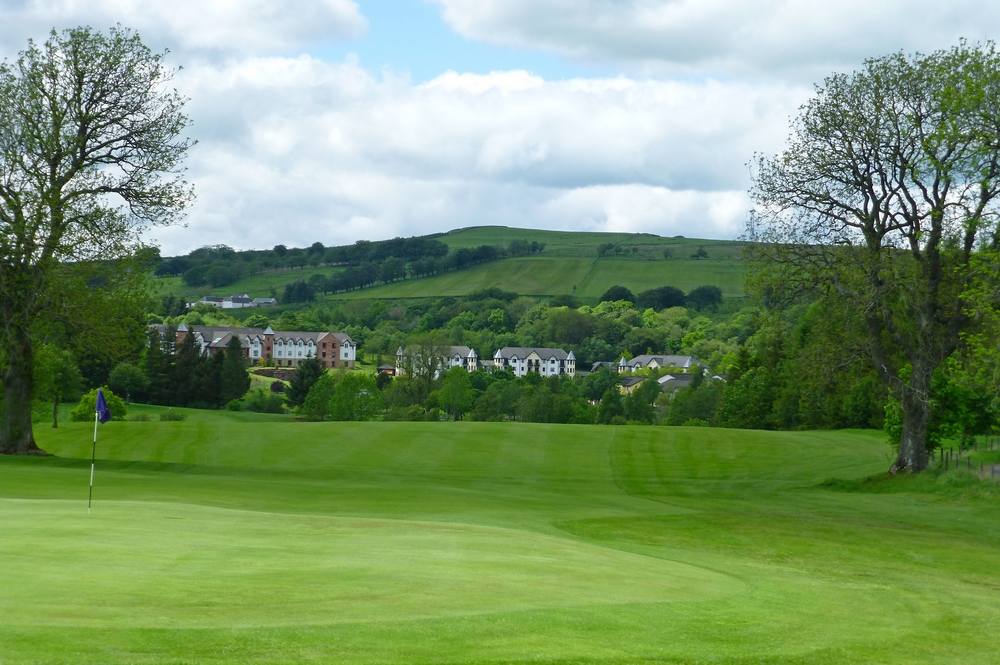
[{"x": 91, "y": 154}]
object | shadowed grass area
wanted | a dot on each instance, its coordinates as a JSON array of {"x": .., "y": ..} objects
[{"x": 229, "y": 537}]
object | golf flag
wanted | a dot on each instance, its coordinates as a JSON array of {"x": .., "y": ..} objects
[{"x": 103, "y": 412}]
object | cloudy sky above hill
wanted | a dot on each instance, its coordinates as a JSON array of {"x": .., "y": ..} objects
[{"x": 338, "y": 120}]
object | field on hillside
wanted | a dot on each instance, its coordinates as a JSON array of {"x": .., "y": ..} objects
[
  {"x": 233, "y": 538},
  {"x": 586, "y": 278},
  {"x": 569, "y": 264},
  {"x": 257, "y": 286}
]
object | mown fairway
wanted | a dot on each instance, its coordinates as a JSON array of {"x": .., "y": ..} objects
[{"x": 238, "y": 538}]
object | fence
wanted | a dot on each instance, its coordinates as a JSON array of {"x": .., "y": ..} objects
[{"x": 952, "y": 458}]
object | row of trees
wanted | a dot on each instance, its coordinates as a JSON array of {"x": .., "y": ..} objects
[
  {"x": 181, "y": 376},
  {"x": 366, "y": 262},
  {"x": 707, "y": 297},
  {"x": 488, "y": 396}
]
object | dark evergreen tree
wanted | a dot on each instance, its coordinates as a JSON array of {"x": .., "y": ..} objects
[
  {"x": 617, "y": 293},
  {"x": 183, "y": 388},
  {"x": 306, "y": 374},
  {"x": 234, "y": 381},
  {"x": 158, "y": 366},
  {"x": 611, "y": 406}
]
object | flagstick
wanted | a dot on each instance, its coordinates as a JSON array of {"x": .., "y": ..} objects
[{"x": 93, "y": 455}]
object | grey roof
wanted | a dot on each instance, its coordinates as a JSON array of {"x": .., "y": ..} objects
[
  {"x": 632, "y": 380},
  {"x": 543, "y": 352},
  {"x": 603, "y": 363},
  {"x": 662, "y": 360},
  {"x": 218, "y": 335},
  {"x": 672, "y": 382},
  {"x": 463, "y": 351}
]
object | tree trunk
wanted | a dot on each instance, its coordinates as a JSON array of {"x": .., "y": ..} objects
[
  {"x": 55, "y": 413},
  {"x": 913, "y": 454},
  {"x": 16, "y": 437}
]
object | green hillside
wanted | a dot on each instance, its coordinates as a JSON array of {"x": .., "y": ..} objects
[
  {"x": 231, "y": 538},
  {"x": 259, "y": 285},
  {"x": 569, "y": 264},
  {"x": 556, "y": 275}
]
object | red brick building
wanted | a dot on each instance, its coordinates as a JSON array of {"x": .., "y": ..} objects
[{"x": 280, "y": 349}]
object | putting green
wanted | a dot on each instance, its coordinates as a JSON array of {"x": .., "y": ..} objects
[
  {"x": 180, "y": 566},
  {"x": 239, "y": 538}
]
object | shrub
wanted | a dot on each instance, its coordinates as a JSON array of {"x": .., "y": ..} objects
[
  {"x": 263, "y": 402},
  {"x": 277, "y": 387},
  {"x": 234, "y": 405},
  {"x": 84, "y": 411},
  {"x": 140, "y": 418},
  {"x": 172, "y": 416}
]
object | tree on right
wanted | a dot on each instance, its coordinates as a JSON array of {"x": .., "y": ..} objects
[{"x": 886, "y": 196}]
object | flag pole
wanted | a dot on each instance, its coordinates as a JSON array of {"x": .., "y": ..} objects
[{"x": 93, "y": 455}]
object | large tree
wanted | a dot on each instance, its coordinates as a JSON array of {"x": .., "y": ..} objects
[
  {"x": 884, "y": 196},
  {"x": 91, "y": 146}
]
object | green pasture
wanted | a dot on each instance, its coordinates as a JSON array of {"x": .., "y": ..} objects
[
  {"x": 568, "y": 265},
  {"x": 236, "y": 538},
  {"x": 258, "y": 285},
  {"x": 586, "y": 278}
]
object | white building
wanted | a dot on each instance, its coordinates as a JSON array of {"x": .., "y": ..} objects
[
  {"x": 411, "y": 359},
  {"x": 548, "y": 362}
]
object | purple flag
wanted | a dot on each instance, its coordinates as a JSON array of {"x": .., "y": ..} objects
[{"x": 103, "y": 412}]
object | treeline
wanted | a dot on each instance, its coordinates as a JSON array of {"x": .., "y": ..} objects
[
  {"x": 394, "y": 268},
  {"x": 367, "y": 262},
  {"x": 179, "y": 375},
  {"x": 702, "y": 297},
  {"x": 486, "y": 396}
]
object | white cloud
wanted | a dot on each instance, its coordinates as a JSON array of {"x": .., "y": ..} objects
[
  {"x": 802, "y": 38},
  {"x": 202, "y": 27},
  {"x": 294, "y": 150}
]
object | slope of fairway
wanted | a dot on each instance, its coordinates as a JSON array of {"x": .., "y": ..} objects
[{"x": 233, "y": 538}]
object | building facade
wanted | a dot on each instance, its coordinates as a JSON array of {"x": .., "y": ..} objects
[
  {"x": 410, "y": 359},
  {"x": 649, "y": 361},
  {"x": 522, "y": 360},
  {"x": 277, "y": 348}
]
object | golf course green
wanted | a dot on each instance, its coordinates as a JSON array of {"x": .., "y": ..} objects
[{"x": 236, "y": 538}]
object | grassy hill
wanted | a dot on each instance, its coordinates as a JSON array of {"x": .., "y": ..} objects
[
  {"x": 232, "y": 537},
  {"x": 569, "y": 264}
]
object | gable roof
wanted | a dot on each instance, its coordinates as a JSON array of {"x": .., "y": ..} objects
[
  {"x": 544, "y": 353},
  {"x": 645, "y": 359}
]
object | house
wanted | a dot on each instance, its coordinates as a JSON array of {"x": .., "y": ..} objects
[
  {"x": 234, "y": 302},
  {"x": 548, "y": 362},
  {"x": 648, "y": 361},
  {"x": 411, "y": 359},
  {"x": 630, "y": 384},
  {"x": 604, "y": 364},
  {"x": 670, "y": 383},
  {"x": 281, "y": 348}
]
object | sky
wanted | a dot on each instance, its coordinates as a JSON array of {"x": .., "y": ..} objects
[{"x": 340, "y": 120}]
